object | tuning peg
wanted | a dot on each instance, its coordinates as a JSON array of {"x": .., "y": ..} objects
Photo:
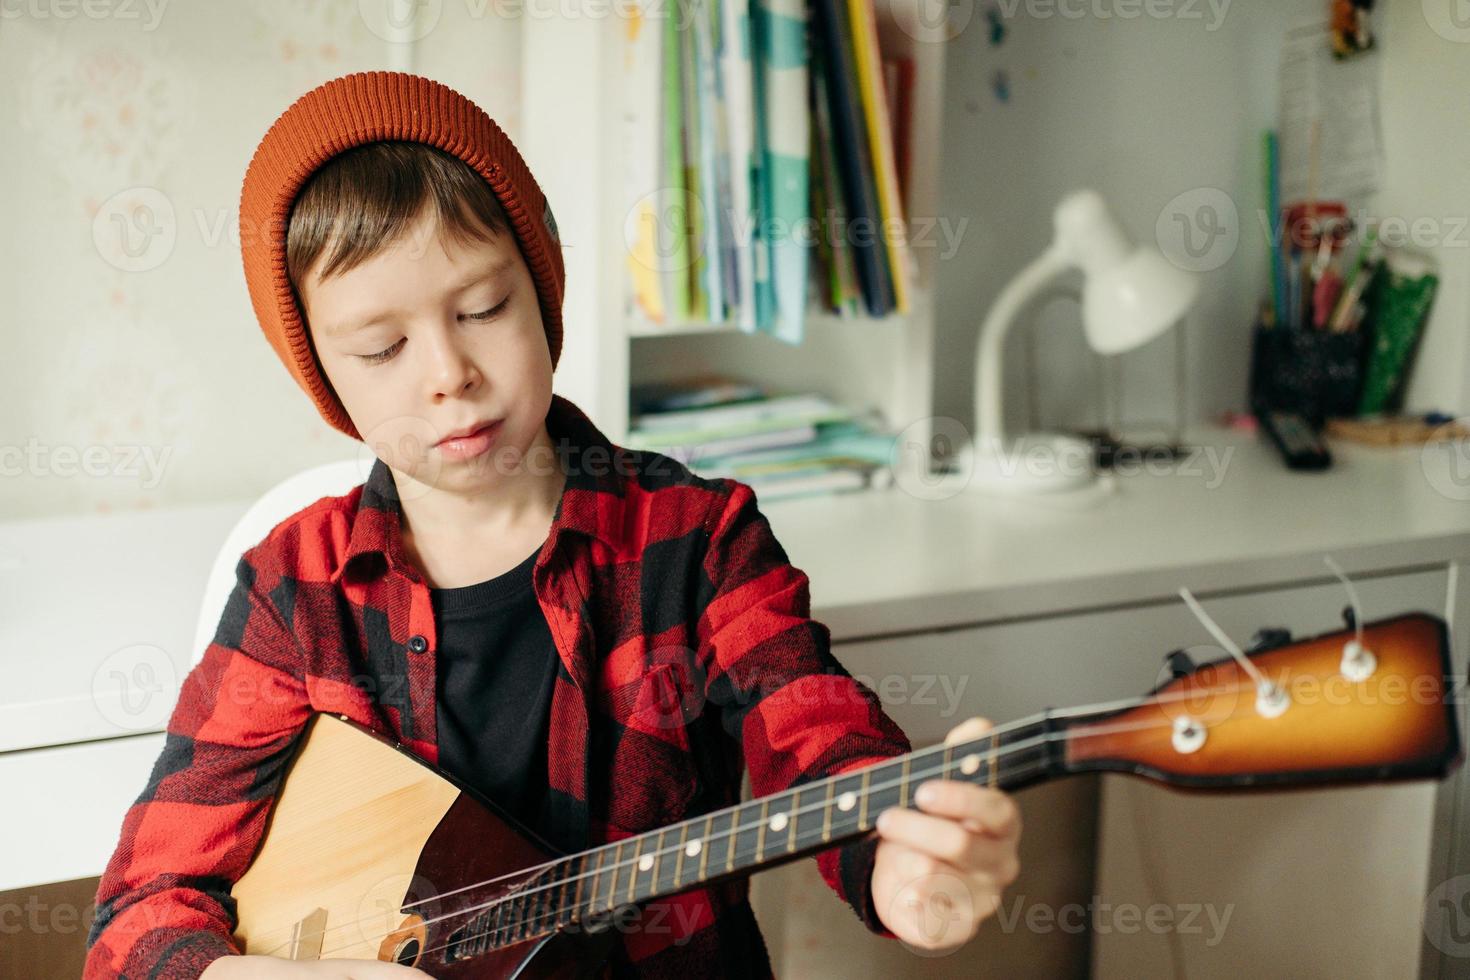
[
  {"x": 1180, "y": 664},
  {"x": 1358, "y": 662},
  {"x": 1269, "y": 638}
]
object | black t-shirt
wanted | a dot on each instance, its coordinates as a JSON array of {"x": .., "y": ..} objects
[{"x": 495, "y": 671}]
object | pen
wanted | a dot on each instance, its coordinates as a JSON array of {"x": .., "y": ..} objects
[{"x": 1357, "y": 281}]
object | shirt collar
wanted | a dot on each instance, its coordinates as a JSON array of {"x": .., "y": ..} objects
[{"x": 591, "y": 503}]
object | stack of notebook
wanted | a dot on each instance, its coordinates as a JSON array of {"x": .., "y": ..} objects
[{"x": 784, "y": 445}]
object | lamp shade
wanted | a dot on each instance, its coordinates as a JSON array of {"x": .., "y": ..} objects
[
  {"x": 1133, "y": 302},
  {"x": 1130, "y": 295}
]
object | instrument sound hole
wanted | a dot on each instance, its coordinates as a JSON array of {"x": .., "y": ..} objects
[{"x": 406, "y": 952}]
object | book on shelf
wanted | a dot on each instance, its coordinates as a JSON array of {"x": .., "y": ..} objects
[
  {"x": 833, "y": 31},
  {"x": 782, "y": 445},
  {"x": 693, "y": 392},
  {"x": 836, "y": 277},
  {"x": 898, "y": 77},
  {"x": 805, "y": 485},
  {"x": 742, "y": 123},
  {"x": 893, "y": 235},
  {"x": 737, "y": 89},
  {"x": 834, "y": 460},
  {"x": 694, "y": 453},
  {"x": 644, "y": 197},
  {"x": 759, "y": 411}
]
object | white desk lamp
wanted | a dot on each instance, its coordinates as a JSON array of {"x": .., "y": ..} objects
[{"x": 1130, "y": 295}]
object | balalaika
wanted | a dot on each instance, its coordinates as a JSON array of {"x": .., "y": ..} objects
[{"x": 371, "y": 854}]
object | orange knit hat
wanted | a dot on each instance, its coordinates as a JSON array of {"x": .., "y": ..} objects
[{"x": 362, "y": 108}]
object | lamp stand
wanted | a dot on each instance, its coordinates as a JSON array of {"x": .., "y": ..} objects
[{"x": 1038, "y": 463}]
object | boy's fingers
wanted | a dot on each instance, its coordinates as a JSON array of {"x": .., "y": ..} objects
[
  {"x": 968, "y": 729},
  {"x": 982, "y": 809},
  {"x": 924, "y": 847},
  {"x": 941, "y": 837},
  {"x": 945, "y": 840}
]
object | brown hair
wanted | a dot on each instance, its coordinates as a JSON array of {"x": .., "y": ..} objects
[{"x": 363, "y": 199}]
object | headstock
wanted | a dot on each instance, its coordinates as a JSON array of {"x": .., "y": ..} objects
[{"x": 1371, "y": 703}]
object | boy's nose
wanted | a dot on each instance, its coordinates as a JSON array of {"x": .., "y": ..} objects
[{"x": 451, "y": 369}]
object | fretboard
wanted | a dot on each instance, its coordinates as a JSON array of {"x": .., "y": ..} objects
[{"x": 589, "y": 887}]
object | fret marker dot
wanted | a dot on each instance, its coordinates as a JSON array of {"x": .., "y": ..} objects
[
  {"x": 693, "y": 847},
  {"x": 778, "y": 822},
  {"x": 970, "y": 765},
  {"x": 645, "y": 862},
  {"x": 846, "y": 801}
]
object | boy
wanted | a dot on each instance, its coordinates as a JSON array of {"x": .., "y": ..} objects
[{"x": 596, "y": 639}]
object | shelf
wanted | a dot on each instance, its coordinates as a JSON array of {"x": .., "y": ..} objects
[
  {"x": 639, "y": 328},
  {"x": 698, "y": 328},
  {"x": 884, "y": 362}
]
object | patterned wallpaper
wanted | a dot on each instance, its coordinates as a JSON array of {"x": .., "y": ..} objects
[{"x": 135, "y": 375}]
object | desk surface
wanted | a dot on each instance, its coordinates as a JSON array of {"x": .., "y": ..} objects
[
  {"x": 95, "y": 612},
  {"x": 893, "y": 562}
]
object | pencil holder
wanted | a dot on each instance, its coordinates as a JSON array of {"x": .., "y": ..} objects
[{"x": 1314, "y": 373}]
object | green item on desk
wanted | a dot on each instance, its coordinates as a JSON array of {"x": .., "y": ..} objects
[{"x": 1397, "y": 308}]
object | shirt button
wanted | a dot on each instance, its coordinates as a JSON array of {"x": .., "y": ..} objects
[{"x": 417, "y": 643}]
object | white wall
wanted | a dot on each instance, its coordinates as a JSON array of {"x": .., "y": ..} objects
[
  {"x": 1145, "y": 110},
  {"x": 1426, "y": 123},
  {"x": 166, "y": 359}
]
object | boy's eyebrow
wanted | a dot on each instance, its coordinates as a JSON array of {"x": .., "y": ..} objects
[{"x": 498, "y": 268}]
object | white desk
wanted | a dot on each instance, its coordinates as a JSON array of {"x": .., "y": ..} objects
[
  {"x": 974, "y": 605},
  {"x": 79, "y": 597},
  {"x": 882, "y": 563},
  {"x": 1021, "y": 599}
]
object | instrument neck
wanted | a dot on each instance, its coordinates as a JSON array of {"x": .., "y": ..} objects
[{"x": 589, "y": 887}]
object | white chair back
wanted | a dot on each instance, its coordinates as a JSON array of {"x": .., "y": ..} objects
[{"x": 275, "y": 505}]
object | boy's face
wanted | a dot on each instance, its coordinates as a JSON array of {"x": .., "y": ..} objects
[{"x": 428, "y": 337}]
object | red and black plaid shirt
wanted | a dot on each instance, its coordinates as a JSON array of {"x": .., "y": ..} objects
[{"x": 653, "y": 581}]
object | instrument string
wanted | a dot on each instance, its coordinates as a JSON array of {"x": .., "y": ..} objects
[
  {"x": 1100, "y": 707},
  {"x": 1012, "y": 749},
  {"x": 554, "y": 916},
  {"x": 532, "y": 870},
  {"x": 1020, "y": 769},
  {"x": 1223, "y": 638}
]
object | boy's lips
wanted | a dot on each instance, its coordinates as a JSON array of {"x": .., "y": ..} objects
[
  {"x": 465, "y": 431},
  {"x": 471, "y": 441}
]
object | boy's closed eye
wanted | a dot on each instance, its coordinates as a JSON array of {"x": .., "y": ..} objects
[{"x": 388, "y": 352}]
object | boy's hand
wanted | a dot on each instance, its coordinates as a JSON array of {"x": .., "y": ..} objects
[{"x": 939, "y": 873}]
